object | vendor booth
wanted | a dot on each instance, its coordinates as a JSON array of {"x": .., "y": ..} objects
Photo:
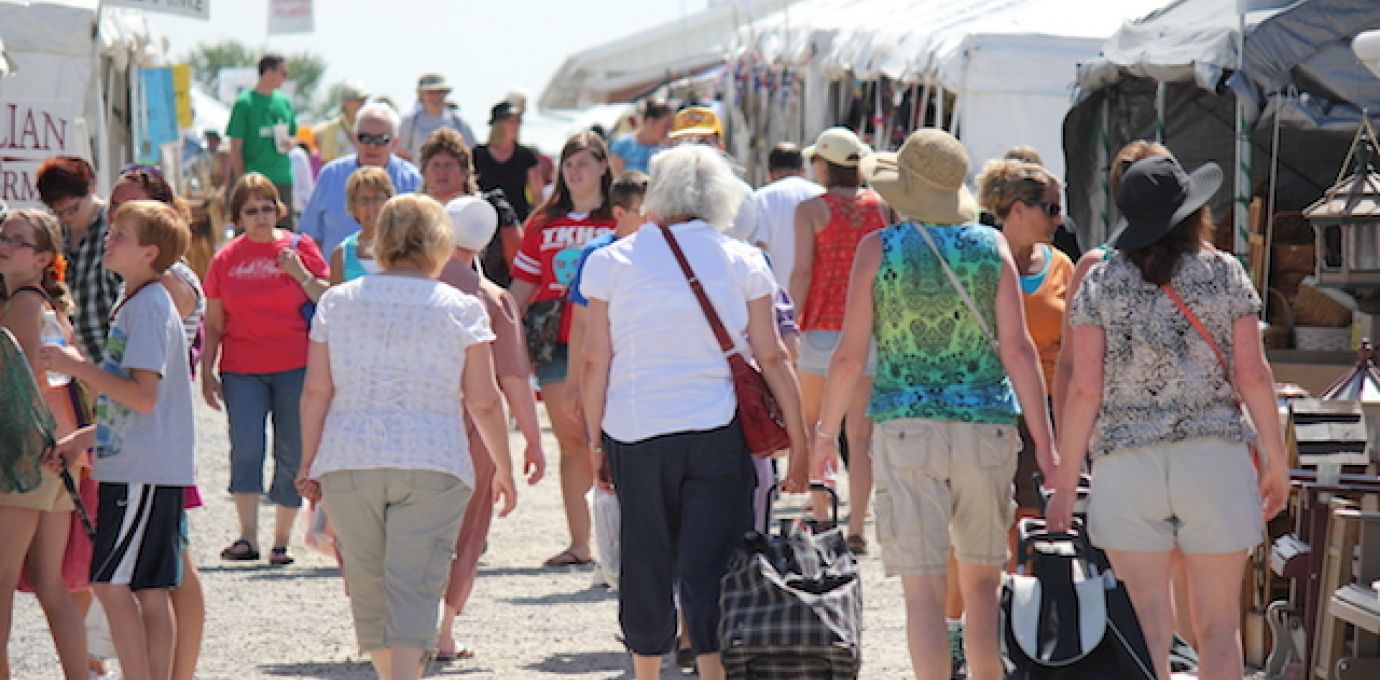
[
  {"x": 67, "y": 91},
  {"x": 997, "y": 73}
]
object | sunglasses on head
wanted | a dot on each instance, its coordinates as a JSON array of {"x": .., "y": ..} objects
[
  {"x": 141, "y": 169},
  {"x": 1051, "y": 209},
  {"x": 374, "y": 140}
]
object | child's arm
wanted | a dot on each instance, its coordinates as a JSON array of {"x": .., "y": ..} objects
[{"x": 139, "y": 391}]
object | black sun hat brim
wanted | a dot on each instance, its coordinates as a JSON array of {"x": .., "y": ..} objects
[{"x": 1203, "y": 183}]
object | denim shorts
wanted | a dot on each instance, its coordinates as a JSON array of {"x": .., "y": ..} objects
[
  {"x": 554, "y": 371},
  {"x": 249, "y": 400},
  {"x": 817, "y": 349}
]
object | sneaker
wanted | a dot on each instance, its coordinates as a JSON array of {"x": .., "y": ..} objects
[{"x": 958, "y": 661}]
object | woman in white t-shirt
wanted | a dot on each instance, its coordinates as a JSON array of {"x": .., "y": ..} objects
[
  {"x": 383, "y": 438},
  {"x": 665, "y": 412}
]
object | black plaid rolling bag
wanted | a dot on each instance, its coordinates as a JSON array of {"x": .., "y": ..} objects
[{"x": 791, "y": 606}]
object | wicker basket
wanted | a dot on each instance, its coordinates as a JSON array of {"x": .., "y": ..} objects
[
  {"x": 1322, "y": 339},
  {"x": 1313, "y": 307},
  {"x": 1287, "y": 259}
]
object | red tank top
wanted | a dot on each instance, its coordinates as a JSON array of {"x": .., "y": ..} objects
[{"x": 850, "y": 219}]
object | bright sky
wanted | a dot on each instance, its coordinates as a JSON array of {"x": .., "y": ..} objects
[{"x": 484, "y": 48}]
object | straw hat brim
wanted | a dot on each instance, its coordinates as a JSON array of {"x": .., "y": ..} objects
[{"x": 914, "y": 198}]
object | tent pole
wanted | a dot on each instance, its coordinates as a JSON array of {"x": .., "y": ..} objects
[
  {"x": 922, "y": 105},
  {"x": 1242, "y": 170},
  {"x": 1160, "y": 91},
  {"x": 939, "y": 108}
]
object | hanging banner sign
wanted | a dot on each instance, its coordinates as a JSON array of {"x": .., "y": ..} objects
[
  {"x": 30, "y": 131},
  {"x": 156, "y": 114},
  {"x": 182, "y": 93},
  {"x": 195, "y": 9},
  {"x": 289, "y": 16}
]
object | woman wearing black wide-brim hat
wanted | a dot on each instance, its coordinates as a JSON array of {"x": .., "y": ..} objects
[{"x": 1175, "y": 322}]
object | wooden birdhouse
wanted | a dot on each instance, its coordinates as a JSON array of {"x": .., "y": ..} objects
[
  {"x": 1346, "y": 220},
  {"x": 1362, "y": 384}
]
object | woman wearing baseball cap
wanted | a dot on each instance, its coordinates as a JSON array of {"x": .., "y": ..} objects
[
  {"x": 1172, "y": 467},
  {"x": 828, "y": 229},
  {"x": 946, "y": 393}
]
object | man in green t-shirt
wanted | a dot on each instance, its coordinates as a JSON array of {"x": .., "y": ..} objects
[{"x": 261, "y": 130}]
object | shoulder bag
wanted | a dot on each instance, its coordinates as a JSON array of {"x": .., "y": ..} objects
[{"x": 759, "y": 415}]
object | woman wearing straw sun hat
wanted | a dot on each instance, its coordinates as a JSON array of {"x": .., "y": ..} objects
[
  {"x": 941, "y": 296},
  {"x": 1172, "y": 468}
]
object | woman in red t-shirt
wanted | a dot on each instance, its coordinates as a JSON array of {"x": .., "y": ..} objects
[
  {"x": 256, "y": 326},
  {"x": 577, "y": 212}
]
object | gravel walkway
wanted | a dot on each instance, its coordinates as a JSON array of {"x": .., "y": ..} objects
[{"x": 524, "y": 621}]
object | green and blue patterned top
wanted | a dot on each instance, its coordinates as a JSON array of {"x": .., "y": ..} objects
[{"x": 933, "y": 360}]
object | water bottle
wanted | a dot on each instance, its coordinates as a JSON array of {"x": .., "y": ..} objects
[{"x": 52, "y": 334}]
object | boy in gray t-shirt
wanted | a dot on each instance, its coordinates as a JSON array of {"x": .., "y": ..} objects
[{"x": 144, "y": 438}]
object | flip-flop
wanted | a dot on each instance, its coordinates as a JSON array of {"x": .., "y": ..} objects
[
  {"x": 566, "y": 558},
  {"x": 239, "y": 551},
  {"x": 462, "y": 651},
  {"x": 856, "y": 544}
]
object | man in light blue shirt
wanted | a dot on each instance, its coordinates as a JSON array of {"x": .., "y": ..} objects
[{"x": 327, "y": 217}]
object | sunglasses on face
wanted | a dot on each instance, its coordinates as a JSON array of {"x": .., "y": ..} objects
[
  {"x": 1051, "y": 209},
  {"x": 16, "y": 243},
  {"x": 374, "y": 140},
  {"x": 255, "y": 212}
]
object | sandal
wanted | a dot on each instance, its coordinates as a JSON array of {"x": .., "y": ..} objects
[
  {"x": 240, "y": 551},
  {"x": 280, "y": 557},
  {"x": 461, "y": 651},
  {"x": 567, "y": 558},
  {"x": 685, "y": 659},
  {"x": 856, "y": 544}
]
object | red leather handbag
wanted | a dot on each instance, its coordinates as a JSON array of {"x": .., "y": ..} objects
[{"x": 764, "y": 427}]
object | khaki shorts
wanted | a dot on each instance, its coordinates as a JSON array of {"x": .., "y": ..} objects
[
  {"x": 942, "y": 483},
  {"x": 1198, "y": 495},
  {"x": 50, "y": 496}
]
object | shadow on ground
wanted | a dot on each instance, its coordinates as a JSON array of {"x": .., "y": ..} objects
[
  {"x": 578, "y": 663},
  {"x": 585, "y": 596}
]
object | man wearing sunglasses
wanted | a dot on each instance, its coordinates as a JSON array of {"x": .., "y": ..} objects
[
  {"x": 326, "y": 218},
  {"x": 261, "y": 127}
]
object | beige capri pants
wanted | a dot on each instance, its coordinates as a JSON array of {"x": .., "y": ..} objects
[{"x": 396, "y": 530}]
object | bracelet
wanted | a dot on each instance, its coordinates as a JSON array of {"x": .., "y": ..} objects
[{"x": 819, "y": 432}]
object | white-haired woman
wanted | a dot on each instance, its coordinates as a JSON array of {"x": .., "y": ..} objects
[
  {"x": 382, "y": 434},
  {"x": 665, "y": 413}
]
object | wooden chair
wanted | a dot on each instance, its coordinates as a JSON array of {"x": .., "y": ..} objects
[{"x": 1346, "y": 597}]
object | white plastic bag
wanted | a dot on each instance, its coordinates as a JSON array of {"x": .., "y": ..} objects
[{"x": 607, "y": 523}]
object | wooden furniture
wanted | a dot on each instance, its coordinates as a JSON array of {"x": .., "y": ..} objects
[{"x": 1348, "y": 623}]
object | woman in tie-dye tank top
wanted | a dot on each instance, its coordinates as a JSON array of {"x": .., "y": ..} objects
[{"x": 953, "y": 375}]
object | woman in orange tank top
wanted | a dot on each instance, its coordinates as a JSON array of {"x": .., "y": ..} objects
[{"x": 827, "y": 231}]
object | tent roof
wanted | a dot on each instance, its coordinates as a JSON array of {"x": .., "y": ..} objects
[
  {"x": 622, "y": 69},
  {"x": 1196, "y": 41},
  {"x": 47, "y": 25},
  {"x": 928, "y": 40}
]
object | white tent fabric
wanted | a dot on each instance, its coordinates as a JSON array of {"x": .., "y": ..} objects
[
  {"x": 65, "y": 69},
  {"x": 626, "y": 68},
  {"x": 1011, "y": 62}
]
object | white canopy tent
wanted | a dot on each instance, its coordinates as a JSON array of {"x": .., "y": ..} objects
[
  {"x": 1010, "y": 64},
  {"x": 68, "y": 87},
  {"x": 630, "y": 67}
]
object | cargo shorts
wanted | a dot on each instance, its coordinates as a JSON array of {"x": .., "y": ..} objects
[{"x": 940, "y": 484}]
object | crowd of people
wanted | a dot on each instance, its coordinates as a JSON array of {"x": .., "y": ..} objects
[{"x": 430, "y": 286}]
